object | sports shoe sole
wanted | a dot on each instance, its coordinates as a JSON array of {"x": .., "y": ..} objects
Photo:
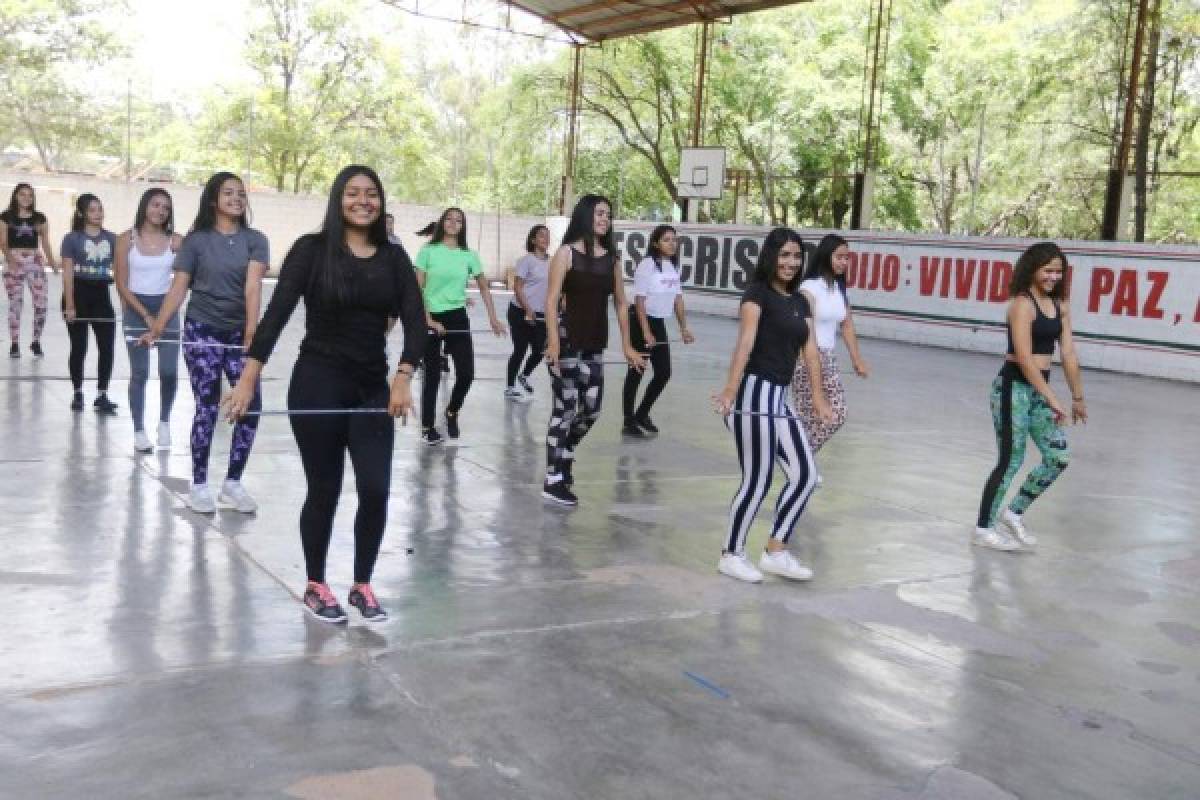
[
  {"x": 225, "y": 502},
  {"x": 1012, "y": 534},
  {"x": 201, "y": 510},
  {"x": 326, "y": 620},
  {"x": 739, "y": 577},
  {"x": 986, "y": 546},
  {"x": 547, "y": 496},
  {"x": 381, "y": 617},
  {"x": 781, "y": 574}
]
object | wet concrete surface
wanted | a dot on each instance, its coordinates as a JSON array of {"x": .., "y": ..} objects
[{"x": 537, "y": 652}]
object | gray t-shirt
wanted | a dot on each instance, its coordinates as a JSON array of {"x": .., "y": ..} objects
[
  {"x": 218, "y": 263},
  {"x": 536, "y": 274}
]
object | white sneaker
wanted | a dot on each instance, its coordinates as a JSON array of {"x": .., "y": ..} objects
[
  {"x": 785, "y": 565},
  {"x": 164, "y": 434},
  {"x": 234, "y": 494},
  {"x": 1016, "y": 529},
  {"x": 141, "y": 442},
  {"x": 820, "y": 480},
  {"x": 990, "y": 537},
  {"x": 514, "y": 394},
  {"x": 735, "y": 565},
  {"x": 200, "y": 499}
]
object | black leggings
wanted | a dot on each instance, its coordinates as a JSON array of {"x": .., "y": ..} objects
[
  {"x": 458, "y": 347},
  {"x": 323, "y": 442},
  {"x": 526, "y": 335},
  {"x": 660, "y": 360},
  {"x": 92, "y": 301}
]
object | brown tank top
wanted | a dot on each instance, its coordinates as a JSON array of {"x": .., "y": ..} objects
[{"x": 586, "y": 288}]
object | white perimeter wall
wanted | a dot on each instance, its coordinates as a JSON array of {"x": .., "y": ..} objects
[{"x": 1135, "y": 307}]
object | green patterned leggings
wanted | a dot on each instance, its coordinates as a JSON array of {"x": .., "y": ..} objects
[{"x": 1019, "y": 413}]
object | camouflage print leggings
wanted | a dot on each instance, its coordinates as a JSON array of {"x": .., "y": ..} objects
[{"x": 1019, "y": 413}]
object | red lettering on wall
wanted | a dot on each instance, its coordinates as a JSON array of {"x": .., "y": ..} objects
[
  {"x": 929, "y": 273},
  {"x": 874, "y": 284},
  {"x": 1125, "y": 301},
  {"x": 891, "y": 273},
  {"x": 945, "y": 288},
  {"x": 1103, "y": 281},
  {"x": 1158, "y": 282},
  {"x": 852, "y": 271},
  {"x": 964, "y": 274},
  {"x": 1001, "y": 277}
]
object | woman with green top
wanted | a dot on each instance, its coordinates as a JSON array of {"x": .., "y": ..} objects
[{"x": 443, "y": 268}]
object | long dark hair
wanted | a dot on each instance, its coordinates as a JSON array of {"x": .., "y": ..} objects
[
  {"x": 139, "y": 219},
  {"x": 329, "y": 276},
  {"x": 437, "y": 230},
  {"x": 206, "y": 215},
  {"x": 768, "y": 257},
  {"x": 530, "y": 245},
  {"x": 582, "y": 228},
  {"x": 654, "y": 249},
  {"x": 79, "y": 218},
  {"x": 1034, "y": 258},
  {"x": 13, "y": 210},
  {"x": 821, "y": 265}
]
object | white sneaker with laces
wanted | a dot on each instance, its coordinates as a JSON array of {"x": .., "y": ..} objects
[
  {"x": 234, "y": 494},
  {"x": 1016, "y": 529},
  {"x": 990, "y": 537},
  {"x": 164, "y": 434},
  {"x": 200, "y": 499},
  {"x": 735, "y": 565},
  {"x": 141, "y": 442},
  {"x": 785, "y": 565}
]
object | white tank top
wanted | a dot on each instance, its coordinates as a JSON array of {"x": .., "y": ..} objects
[{"x": 149, "y": 274}]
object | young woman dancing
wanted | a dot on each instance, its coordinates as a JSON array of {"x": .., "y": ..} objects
[
  {"x": 824, "y": 286},
  {"x": 222, "y": 262},
  {"x": 1024, "y": 405},
  {"x": 355, "y": 284},
  {"x": 527, "y": 312},
  {"x": 774, "y": 327},
  {"x": 443, "y": 268},
  {"x": 583, "y": 273},
  {"x": 23, "y": 232},
  {"x": 144, "y": 266},
  {"x": 657, "y": 292},
  {"x": 87, "y": 260}
]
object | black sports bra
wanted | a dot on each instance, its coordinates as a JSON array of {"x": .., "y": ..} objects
[{"x": 1045, "y": 331}]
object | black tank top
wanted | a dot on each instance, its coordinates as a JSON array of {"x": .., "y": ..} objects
[
  {"x": 1045, "y": 331},
  {"x": 586, "y": 288}
]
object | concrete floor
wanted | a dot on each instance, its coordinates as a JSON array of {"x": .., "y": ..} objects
[{"x": 535, "y": 652}]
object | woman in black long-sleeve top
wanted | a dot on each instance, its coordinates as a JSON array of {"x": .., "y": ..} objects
[{"x": 355, "y": 284}]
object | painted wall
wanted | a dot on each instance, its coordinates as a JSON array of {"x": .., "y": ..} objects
[{"x": 1135, "y": 307}]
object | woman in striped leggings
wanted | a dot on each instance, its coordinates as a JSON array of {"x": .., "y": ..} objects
[{"x": 773, "y": 329}]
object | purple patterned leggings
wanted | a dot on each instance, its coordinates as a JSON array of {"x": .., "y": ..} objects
[{"x": 205, "y": 366}]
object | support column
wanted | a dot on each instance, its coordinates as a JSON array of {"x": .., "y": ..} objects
[
  {"x": 566, "y": 197},
  {"x": 1115, "y": 202},
  {"x": 870, "y": 110},
  {"x": 691, "y": 206}
]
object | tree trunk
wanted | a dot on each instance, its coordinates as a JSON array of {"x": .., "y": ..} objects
[{"x": 1141, "y": 151}]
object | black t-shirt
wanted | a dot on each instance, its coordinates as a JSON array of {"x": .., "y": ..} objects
[
  {"x": 22, "y": 231},
  {"x": 782, "y": 332},
  {"x": 352, "y": 333}
]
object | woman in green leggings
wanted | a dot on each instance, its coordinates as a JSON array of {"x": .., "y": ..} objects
[{"x": 1023, "y": 404}]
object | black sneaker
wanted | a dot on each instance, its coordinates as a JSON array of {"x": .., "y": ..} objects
[
  {"x": 14, "y": 351},
  {"x": 320, "y": 602},
  {"x": 645, "y": 424},
  {"x": 525, "y": 384},
  {"x": 452, "y": 424},
  {"x": 430, "y": 436},
  {"x": 36, "y": 349},
  {"x": 364, "y": 600},
  {"x": 104, "y": 406},
  {"x": 77, "y": 402},
  {"x": 560, "y": 493},
  {"x": 630, "y": 428}
]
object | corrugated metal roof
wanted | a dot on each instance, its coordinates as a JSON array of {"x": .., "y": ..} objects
[{"x": 597, "y": 20}]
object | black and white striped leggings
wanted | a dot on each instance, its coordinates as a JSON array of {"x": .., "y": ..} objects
[{"x": 760, "y": 440}]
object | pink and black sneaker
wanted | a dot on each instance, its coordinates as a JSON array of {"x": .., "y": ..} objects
[
  {"x": 321, "y": 603},
  {"x": 363, "y": 598}
]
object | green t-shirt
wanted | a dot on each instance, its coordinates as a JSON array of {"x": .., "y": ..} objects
[{"x": 447, "y": 270}]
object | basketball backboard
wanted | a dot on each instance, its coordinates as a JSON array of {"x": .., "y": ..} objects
[{"x": 701, "y": 172}]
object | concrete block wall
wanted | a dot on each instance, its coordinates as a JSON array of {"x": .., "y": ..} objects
[{"x": 498, "y": 238}]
